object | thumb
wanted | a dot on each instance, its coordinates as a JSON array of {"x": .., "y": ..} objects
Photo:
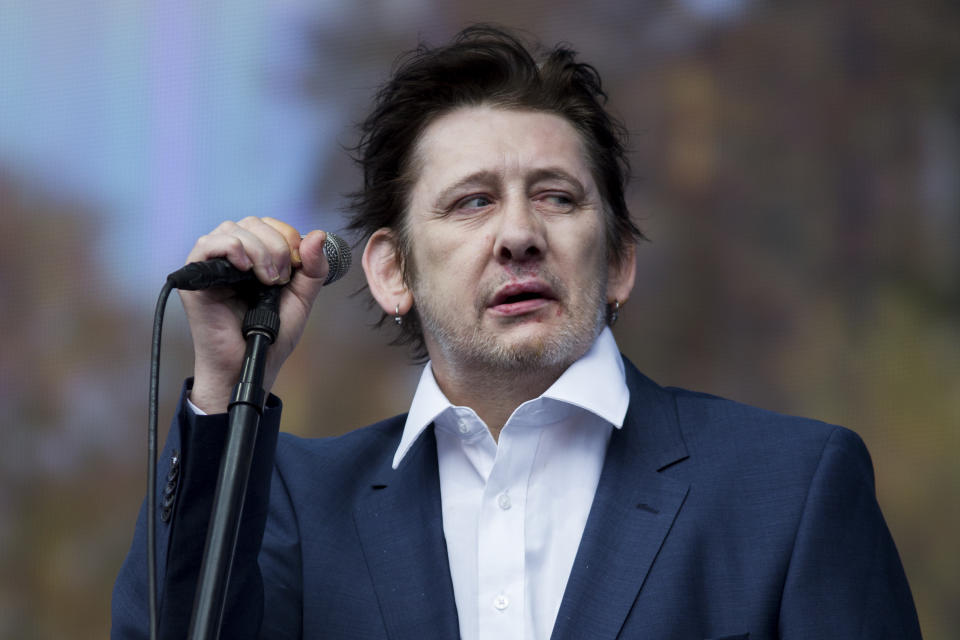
[
  {"x": 314, "y": 262},
  {"x": 308, "y": 279}
]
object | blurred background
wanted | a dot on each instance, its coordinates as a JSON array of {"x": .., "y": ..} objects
[{"x": 797, "y": 169}]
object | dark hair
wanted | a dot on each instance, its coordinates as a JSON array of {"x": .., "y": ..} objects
[{"x": 483, "y": 65}]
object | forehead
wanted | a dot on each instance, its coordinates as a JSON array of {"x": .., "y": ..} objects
[{"x": 498, "y": 140}]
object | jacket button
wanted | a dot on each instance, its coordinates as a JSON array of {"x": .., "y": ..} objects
[
  {"x": 170, "y": 490},
  {"x": 174, "y": 472}
]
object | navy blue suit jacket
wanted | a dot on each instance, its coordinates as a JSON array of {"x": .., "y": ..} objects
[{"x": 711, "y": 520}]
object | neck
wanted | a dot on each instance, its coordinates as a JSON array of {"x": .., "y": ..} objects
[{"x": 493, "y": 395}]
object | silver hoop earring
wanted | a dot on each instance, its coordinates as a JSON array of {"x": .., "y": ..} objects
[
  {"x": 614, "y": 312},
  {"x": 397, "y": 318}
]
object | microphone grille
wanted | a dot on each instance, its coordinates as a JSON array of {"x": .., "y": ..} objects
[{"x": 337, "y": 252}]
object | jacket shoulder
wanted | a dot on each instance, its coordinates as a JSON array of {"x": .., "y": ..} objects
[
  {"x": 710, "y": 423},
  {"x": 704, "y": 417}
]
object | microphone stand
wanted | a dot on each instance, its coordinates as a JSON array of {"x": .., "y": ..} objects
[{"x": 260, "y": 327}]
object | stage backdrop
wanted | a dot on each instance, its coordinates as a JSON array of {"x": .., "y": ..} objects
[{"x": 796, "y": 169}]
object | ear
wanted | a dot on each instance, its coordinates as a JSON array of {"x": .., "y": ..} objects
[
  {"x": 384, "y": 271},
  {"x": 621, "y": 275}
]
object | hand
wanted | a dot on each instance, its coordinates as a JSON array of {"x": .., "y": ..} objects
[{"x": 278, "y": 256}]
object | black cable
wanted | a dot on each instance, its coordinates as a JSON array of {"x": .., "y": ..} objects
[
  {"x": 152, "y": 456},
  {"x": 216, "y": 272}
]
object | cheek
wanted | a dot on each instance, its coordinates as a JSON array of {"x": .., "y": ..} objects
[
  {"x": 582, "y": 250},
  {"x": 459, "y": 249},
  {"x": 447, "y": 261}
]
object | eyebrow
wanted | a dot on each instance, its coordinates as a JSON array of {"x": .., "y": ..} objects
[{"x": 556, "y": 173}]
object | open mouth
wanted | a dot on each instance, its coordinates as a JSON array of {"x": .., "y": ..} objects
[{"x": 521, "y": 297}]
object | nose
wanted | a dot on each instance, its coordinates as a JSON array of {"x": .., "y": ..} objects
[{"x": 521, "y": 236}]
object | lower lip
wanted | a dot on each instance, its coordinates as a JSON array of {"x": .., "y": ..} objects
[{"x": 520, "y": 308}]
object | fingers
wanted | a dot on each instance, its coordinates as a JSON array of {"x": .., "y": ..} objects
[
  {"x": 291, "y": 235},
  {"x": 268, "y": 246}
]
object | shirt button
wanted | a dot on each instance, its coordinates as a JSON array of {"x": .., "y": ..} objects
[
  {"x": 464, "y": 427},
  {"x": 501, "y": 602},
  {"x": 504, "y": 501}
]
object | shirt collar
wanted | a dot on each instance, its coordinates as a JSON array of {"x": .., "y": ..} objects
[{"x": 596, "y": 383}]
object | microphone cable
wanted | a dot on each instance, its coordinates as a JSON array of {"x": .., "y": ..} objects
[
  {"x": 153, "y": 406},
  {"x": 194, "y": 276}
]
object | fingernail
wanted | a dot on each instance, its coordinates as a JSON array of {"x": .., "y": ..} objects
[
  {"x": 295, "y": 257},
  {"x": 272, "y": 273}
]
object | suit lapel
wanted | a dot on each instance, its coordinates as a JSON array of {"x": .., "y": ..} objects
[
  {"x": 632, "y": 513},
  {"x": 400, "y": 526}
]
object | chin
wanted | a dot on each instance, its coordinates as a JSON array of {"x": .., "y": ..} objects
[
  {"x": 557, "y": 350},
  {"x": 520, "y": 347}
]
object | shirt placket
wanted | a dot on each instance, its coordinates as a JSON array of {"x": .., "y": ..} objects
[{"x": 501, "y": 542}]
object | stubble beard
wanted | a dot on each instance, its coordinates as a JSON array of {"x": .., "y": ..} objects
[{"x": 486, "y": 351}]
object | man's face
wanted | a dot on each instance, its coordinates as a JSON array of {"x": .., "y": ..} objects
[{"x": 508, "y": 264}]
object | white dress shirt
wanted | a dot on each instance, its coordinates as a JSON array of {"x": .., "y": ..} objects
[{"x": 514, "y": 511}]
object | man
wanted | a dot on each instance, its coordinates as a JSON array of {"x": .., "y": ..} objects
[{"x": 540, "y": 486}]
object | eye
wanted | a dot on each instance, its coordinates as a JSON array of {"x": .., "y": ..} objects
[
  {"x": 473, "y": 202},
  {"x": 555, "y": 202}
]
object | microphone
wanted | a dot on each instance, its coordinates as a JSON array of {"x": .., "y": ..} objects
[{"x": 218, "y": 272}]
